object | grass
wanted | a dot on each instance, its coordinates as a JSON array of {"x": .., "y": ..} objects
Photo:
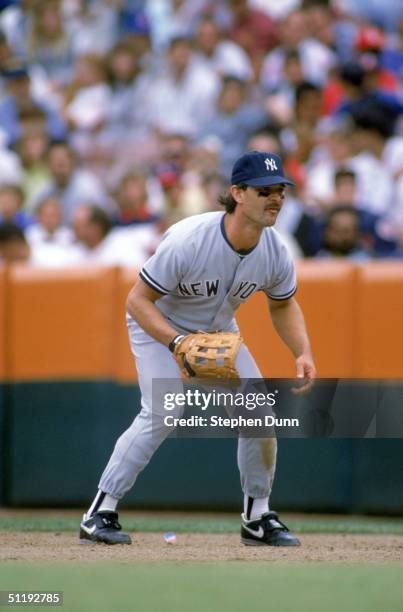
[
  {"x": 233, "y": 586},
  {"x": 219, "y": 587},
  {"x": 211, "y": 524}
]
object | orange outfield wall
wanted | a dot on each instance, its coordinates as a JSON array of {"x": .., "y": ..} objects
[
  {"x": 60, "y": 323},
  {"x": 69, "y": 324},
  {"x": 3, "y": 346},
  {"x": 125, "y": 371},
  {"x": 326, "y": 293},
  {"x": 379, "y": 349}
]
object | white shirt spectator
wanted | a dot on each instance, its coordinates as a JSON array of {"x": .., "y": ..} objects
[
  {"x": 316, "y": 60},
  {"x": 392, "y": 155},
  {"x": 374, "y": 183},
  {"x": 54, "y": 256},
  {"x": 274, "y": 8},
  {"x": 168, "y": 20},
  {"x": 93, "y": 31},
  {"x": 320, "y": 181},
  {"x": 177, "y": 105},
  {"x": 37, "y": 235},
  {"x": 83, "y": 186},
  {"x": 90, "y": 106},
  {"x": 229, "y": 59},
  {"x": 130, "y": 246},
  {"x": 11, "y": 172}
]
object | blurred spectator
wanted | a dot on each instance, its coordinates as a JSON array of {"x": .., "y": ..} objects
[
  {"x": 48, "y": 43},
  {"x": 374, "y": 180},
  {"x": 10, "y": 167},
  {"x": 213, "y": 185},
  {"x": 32, "y": 148},
  {"x": 308, "y": 104},
  {"x": 135, "y": 30},
  {"x": 341, "y": 236},
  {"x": 343, "y": 146},
  {"x": 345, "y": 194},
  {"x": 119, "y": 122},
  {"x": 100, "y": 244},
  {"x": 374, "y": 132},
  {"x": 5, "y": 55},
  {"x": 276, "y": 10},
  {"x": 11, "y": 206},
  {"x": 70, "y": 183},
  {"x": 171, "y": 18},
  {"x": 19, "y": 100},
  {"x": 392, "y": 53},
  {"x": 361, "y": 89},
  {"x": 120, "y": 134},
  {"x": 184, "y": 195},
  {"x": 281, "y": 101},
  {"x": 177, "y": 89},
  {"x": 333, "y": 151},
  {"x": 175, "y": 150},
  {"x": 369, "y": 45},
  {"x": 14, "y": 248},
  {"x": 316, "y": 58},
  {"x": 15, "y": 22},
  {"x": 386, "y": 13},
  {"x": 13, "y": 245},
  {"x": 132, "y": 200},
  {"x": 223, "y": 56},
  {"x": 265, "y": 139},
  {"x": 86, "y": 101},
  {"x": 299, "y": 137},
  {"x": 92, "y": 25},
  {"x": 320, "y": 23},
  {"x": 180, "y": 96},
  {"x": 91, "y": 225},
  {"x": 299, "y": 134},
  {"x": 253, "y": 30},
  {"x": 233, "y": 121},
  {"x": 48, "y": 227},
  {"x": 345, "y": 188}
]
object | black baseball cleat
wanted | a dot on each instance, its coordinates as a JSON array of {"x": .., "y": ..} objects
[
  {"x": 103, "y": 527},
  {"x": 268, "y": 530}
]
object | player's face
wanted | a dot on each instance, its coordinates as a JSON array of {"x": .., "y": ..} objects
[{"x": 261, "y": 205}]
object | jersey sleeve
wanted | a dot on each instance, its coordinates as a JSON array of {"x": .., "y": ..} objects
[
  {"x": 283, "y": 285},
  {"x": 164, "y": 270}
]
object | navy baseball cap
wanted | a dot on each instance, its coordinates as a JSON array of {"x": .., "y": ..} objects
[
  {"x": 15, "y": 69},
  {"x": 259, "y": 169}
]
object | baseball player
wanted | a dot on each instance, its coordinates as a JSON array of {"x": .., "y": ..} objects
[{"x": 205, "y": 267}]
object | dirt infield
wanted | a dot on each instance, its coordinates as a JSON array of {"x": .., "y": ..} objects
[{"x": 151, "y": 547}]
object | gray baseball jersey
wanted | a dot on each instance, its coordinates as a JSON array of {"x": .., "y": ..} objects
[{"x": 203, "y": 280}]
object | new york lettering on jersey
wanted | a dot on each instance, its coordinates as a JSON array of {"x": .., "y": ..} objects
[{"x": 203, "y": 280}]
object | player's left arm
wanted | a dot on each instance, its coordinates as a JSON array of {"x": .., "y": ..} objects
[{"x": 289, "y": 322}]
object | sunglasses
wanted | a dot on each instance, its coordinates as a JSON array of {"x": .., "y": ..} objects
[{"x": 265, "y": 192}]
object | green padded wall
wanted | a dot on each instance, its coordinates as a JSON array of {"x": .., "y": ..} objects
[{"x": 60, "y": 435}]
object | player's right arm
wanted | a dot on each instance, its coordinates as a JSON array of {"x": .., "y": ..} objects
[{"x": 141, "y": 307}]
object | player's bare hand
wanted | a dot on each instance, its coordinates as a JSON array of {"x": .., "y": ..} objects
[{"x": 306, "y": 374}]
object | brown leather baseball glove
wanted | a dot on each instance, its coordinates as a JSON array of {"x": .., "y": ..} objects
[{"x": 208, "y": 355}]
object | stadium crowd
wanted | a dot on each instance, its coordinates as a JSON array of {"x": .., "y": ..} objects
[{"x": 121, "y": 117}]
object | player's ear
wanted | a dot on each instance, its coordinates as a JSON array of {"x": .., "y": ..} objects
[{"x": 237, "y": 193}]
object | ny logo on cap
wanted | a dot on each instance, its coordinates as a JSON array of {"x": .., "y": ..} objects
[{"x": 270, "y": 164}]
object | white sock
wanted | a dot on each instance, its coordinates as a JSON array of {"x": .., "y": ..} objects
[
  {"x": 102, "y": 502},
  {"x": 108, "y": 504},
  {"x": 254, "y": 507}
]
